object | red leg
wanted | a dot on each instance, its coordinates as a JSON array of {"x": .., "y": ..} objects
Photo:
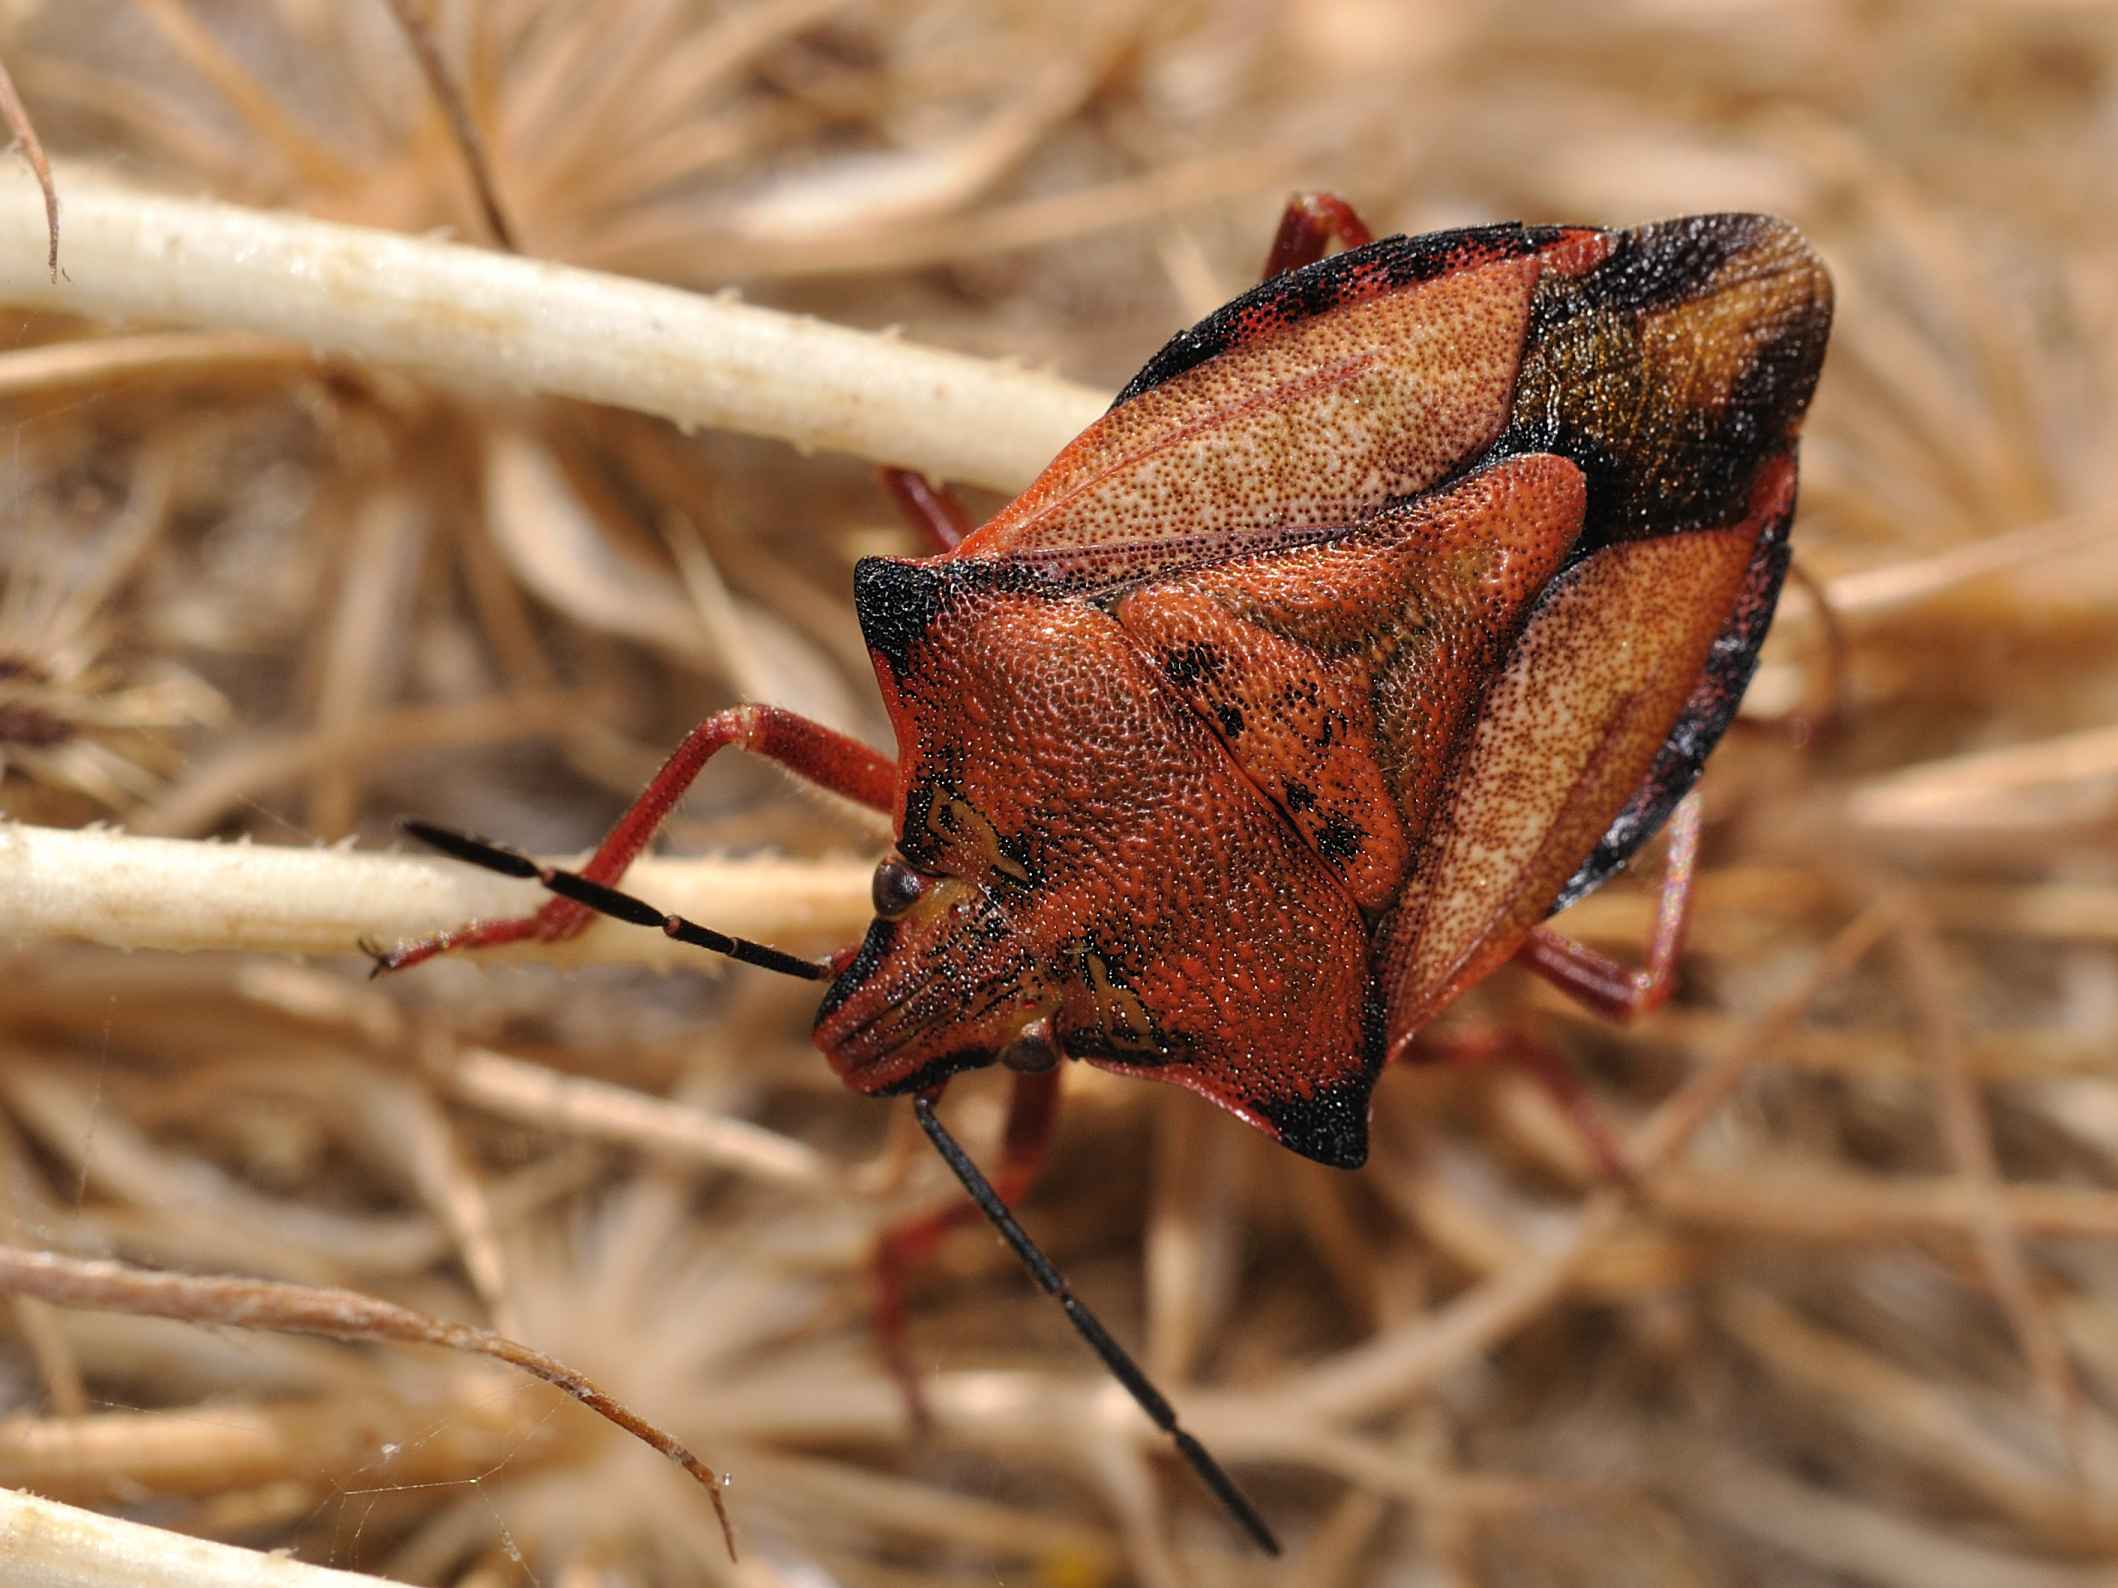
[
  {"x": 1547, "y": 1067},
  {"x": 929, "y": 507},
  {"x": 1620, "y": 991},
  {"x": 1600, "y": 982},
  {"x": 1033, "y": 1111},
  {"x": 1308, "y": 225},
  {"x": 809, "y": 750}
]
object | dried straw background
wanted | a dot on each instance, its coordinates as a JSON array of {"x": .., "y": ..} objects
[{"x": 1861, "y": 1327}]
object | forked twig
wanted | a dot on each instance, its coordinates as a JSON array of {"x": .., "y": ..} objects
[
  {"x": 16, "y": 115},
  {"x": 412, "y": 16},
  {"x": 101, "y": 1285}
]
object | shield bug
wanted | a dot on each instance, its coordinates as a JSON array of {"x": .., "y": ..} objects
[{"x": 1389, "y": 610}]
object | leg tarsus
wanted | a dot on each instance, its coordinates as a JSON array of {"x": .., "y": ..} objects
[
  {"x": 1033, "y": 1111},
  {"x": 1307, "y": 228},
  {"x": 809, "y": 750},
  {"x": 1612, "y": 989}
]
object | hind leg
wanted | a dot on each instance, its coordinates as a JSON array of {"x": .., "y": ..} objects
[
  {"x": 1307, "y": 227},
  {"x": 1614, "y": 990}
]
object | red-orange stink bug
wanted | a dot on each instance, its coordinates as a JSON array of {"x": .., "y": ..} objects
[{"x": 1390, "y": 609}]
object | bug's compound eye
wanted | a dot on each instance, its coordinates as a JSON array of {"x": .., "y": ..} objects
[
  {"x": 897, "y": 887},
  {"x": 1032, "y": 1051}
]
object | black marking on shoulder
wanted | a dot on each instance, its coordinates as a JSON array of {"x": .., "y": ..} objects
[
  {"x": 1330, "y": 1125},
  {"x": 1707, "y": 712},
  {"x": 1300, "y": 796},
  {"x": 896, "y": 601},
  {"x": 1230, "y": 719},
  {"x": 1317, "y": 289}
]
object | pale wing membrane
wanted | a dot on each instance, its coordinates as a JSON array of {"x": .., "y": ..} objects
[
  {"x": 1568, "y": 730},
  {"x": 1311, "y": 425}
]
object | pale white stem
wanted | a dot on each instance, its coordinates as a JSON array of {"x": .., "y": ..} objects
[
  {"x": 496, "y": 320},
  {"x": 170, "y": 893},
  {"x": 44, "y": 1544}
]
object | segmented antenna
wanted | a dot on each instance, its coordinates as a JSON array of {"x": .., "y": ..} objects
[
  {"x": 483, "y": 852},
  {"x": 622, "y": 906},
  {"x": 1115, "y": 1357}
]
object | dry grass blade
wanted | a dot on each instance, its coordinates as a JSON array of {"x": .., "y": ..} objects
[
  {"x": 1968, "y": 1130},
  {"x": 61, "y": 1546},
  {"x": 1397, "y": 1364},
  {"x": 416, "y": 18},
  {"x": 597, "y": 1110},
  {"x": 16, "y": 114},
  {"x": 334, "y": 1314},
  {"x": 129, "y": 892}
]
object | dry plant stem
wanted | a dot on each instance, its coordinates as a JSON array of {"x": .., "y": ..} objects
[
  {"x": 330, "y": 1440},
  {"x": 1850, "y": 1540},
  {"x": 215, "y": 787},
  {"x": 335, "y": 1314},
  {"x": 486, "y": 319},
  {"x": 274, "y": 125},
  {"x": 48, "y": 1545},
  {"x": 1976, "y": 1441},
  {"x": 16, "y": 114},
  {"x": 165, "y": 893},
  {"x": 1895, "y": 586}
]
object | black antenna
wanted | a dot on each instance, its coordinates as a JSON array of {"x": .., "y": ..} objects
[
  {"x": 603, "y": 900},
  {"x": 609, "y": 901},
  {"x": 1122, "y": 1367}
]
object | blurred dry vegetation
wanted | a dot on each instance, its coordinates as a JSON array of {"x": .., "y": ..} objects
[{"x": 1862, "y": 1330}]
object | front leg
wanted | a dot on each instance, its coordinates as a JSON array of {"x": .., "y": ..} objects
[{"x": 812, "y": 752}]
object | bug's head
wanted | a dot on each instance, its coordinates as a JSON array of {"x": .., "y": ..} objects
[
  {"x": 948, "y": 978},
  {"x": 958, "y": 962},
  {"x": 978, "y": 950}
]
